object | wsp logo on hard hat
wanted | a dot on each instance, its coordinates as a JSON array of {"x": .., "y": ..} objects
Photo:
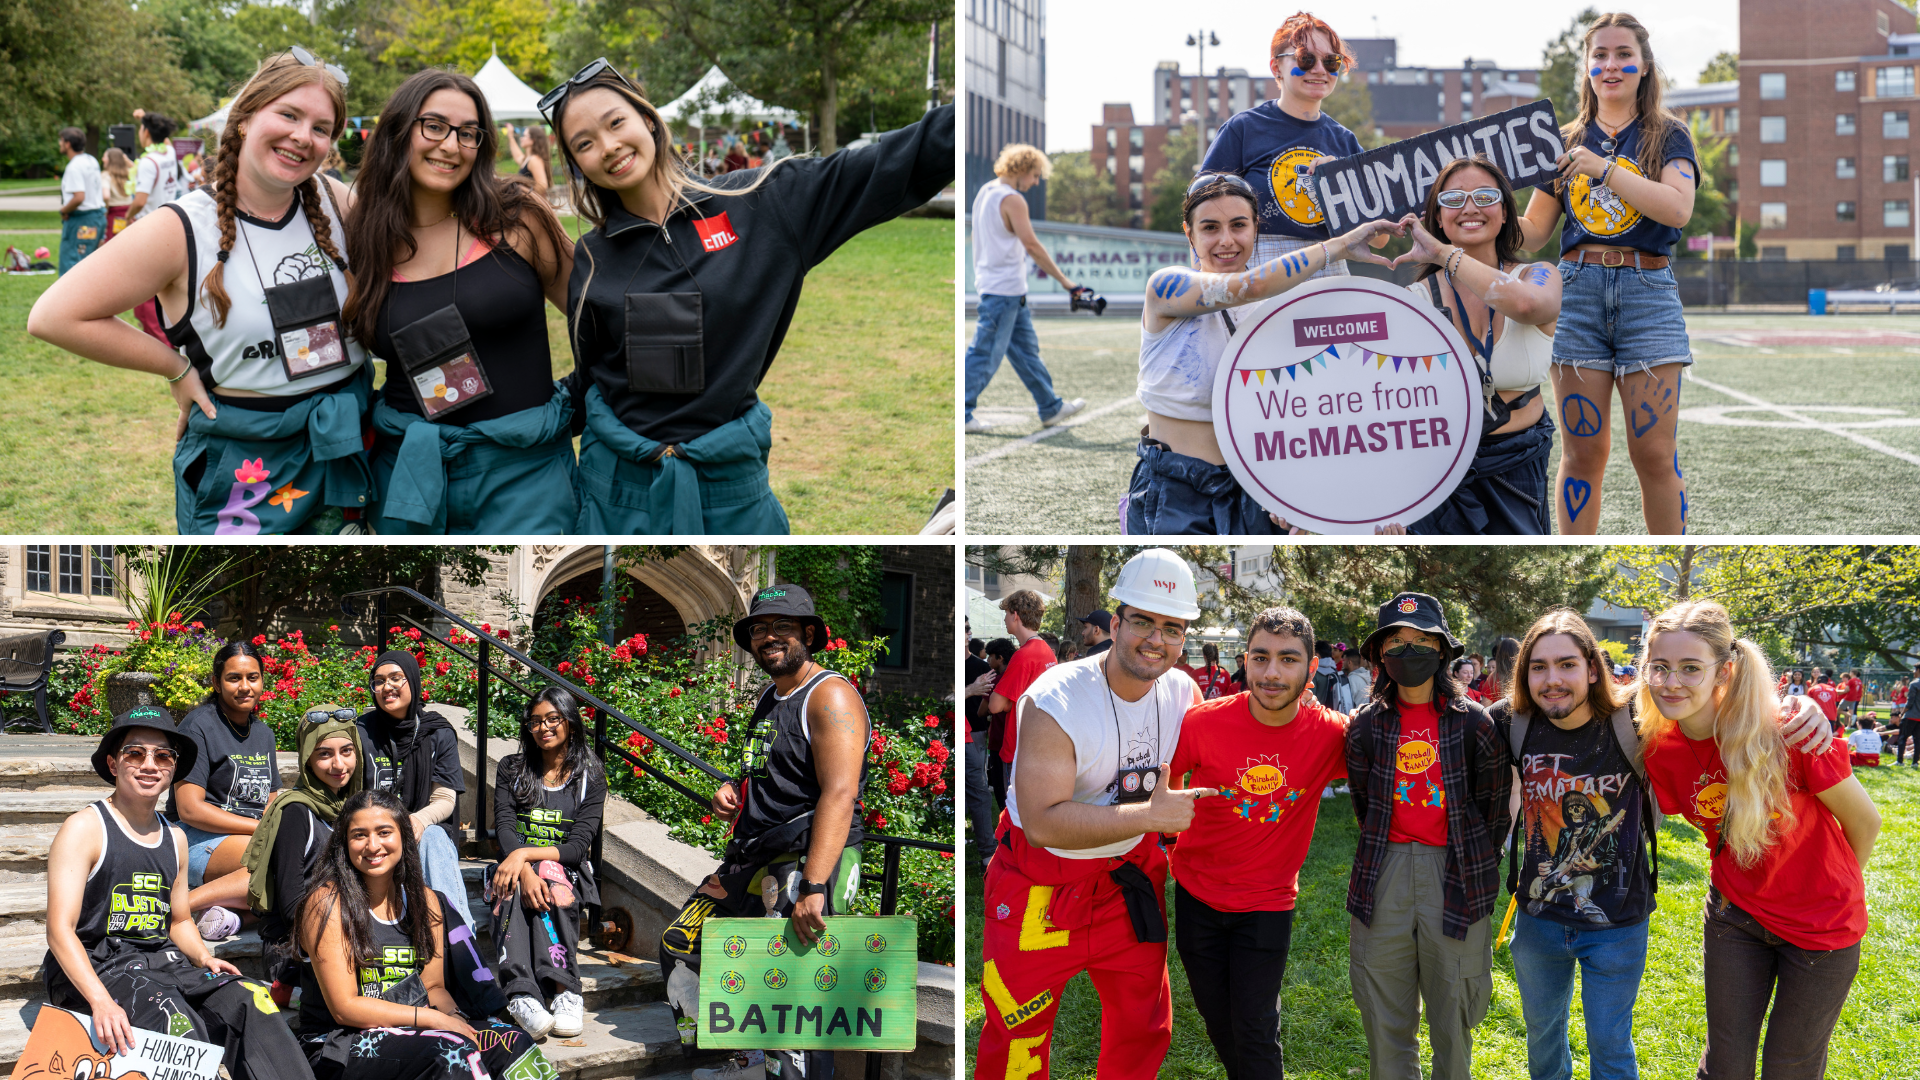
[{"x": 1167, "y": 585}]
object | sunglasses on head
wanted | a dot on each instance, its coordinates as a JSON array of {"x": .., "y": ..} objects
[
  {"x": 321, "y": 716},
  {"x": 552, "y": 98},
  {"x": 311, "y": 60},
  {"x": 1230, "y": 179},
  {"x": 1454, "y": 200},
  {"x": 1305, "y": 61}
]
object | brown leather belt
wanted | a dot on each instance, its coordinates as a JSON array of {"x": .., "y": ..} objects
[{"x": 1639, "y": 259}]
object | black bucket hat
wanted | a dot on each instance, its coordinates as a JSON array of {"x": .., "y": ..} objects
[
  {"x": 144, "y": 716},
  {"x": 789, "y": 600},
  {"x": 1418, "y": 610}
]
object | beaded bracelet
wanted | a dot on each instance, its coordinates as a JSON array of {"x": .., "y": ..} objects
[
  {"x": 1325, "y": 254},
  {"x": 183, "y": 373}
]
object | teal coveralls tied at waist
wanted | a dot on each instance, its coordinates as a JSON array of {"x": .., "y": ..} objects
[
  {"x": 264, "y": 473},
  {"x": 716, "y": 484},
  {"x": 511, "y": 474}
]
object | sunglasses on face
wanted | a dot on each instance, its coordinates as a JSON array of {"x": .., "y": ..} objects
[
  {"x": 138, "y": 753},
  {"x": 1454, "y": 200},
  {"x": 311, "y": 60},
  {"x": 551, "y": 100},
  {"x": 1305, "y": 61},
  {"x": 1232, "y": 180},
  {"x": 1410, "y": 649},
  {"x": 437, "y": 131}
]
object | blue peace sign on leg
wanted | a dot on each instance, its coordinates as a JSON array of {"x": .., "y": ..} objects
[{"x": 1580, "y": 414}]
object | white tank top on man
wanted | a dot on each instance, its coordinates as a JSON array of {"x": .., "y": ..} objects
[
  {"x": 1100, "y": 723},
  {"x": 245, "y": 353},
  {"x": 999, "y": 259}
]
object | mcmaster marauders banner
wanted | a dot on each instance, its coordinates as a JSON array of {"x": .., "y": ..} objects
[
  {"x": 1347, "y": 403},
  {"x": 855, "y": 988},
  {"x": 1391, "y": 182}
]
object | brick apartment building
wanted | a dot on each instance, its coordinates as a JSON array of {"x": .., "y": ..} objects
[
  {"x": 1406, "y": 102},
  {"x": 1827, "y": 87}
]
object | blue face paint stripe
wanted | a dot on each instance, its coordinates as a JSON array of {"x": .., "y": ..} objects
[
  {"x": 1298, "y": 72},
  {"x": 1631, "y": 69},
  {"x": 1595, "y": 72}
]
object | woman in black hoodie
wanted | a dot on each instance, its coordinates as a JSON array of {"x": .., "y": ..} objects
[
  {"x": 682, "y": 293},
  {"x": 414, "y": 754}
]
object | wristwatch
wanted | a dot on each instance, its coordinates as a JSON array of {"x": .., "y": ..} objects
[{"x": 814, "y": 888}]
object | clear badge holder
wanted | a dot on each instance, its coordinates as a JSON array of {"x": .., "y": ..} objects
[
  {"x": 306, "y": 323},
  {"x": 436, "y": 354}
]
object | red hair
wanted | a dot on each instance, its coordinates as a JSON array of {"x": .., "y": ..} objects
[{"x": 1297, "y": 32}]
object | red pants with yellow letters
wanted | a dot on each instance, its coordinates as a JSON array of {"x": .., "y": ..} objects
[{"x": 1048, "y": 919}]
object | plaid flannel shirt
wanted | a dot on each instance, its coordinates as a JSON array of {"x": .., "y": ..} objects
[{"x": 1474, "y": 762}]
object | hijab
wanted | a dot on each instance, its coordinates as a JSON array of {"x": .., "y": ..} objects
[
  {"x": 407, "y": 734},
  {"x": 310, "y": 791}
]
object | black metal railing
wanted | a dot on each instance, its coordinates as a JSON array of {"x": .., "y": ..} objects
[{"x": 483, "y": 662}]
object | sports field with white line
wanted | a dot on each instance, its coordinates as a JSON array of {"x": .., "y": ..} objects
[{"x": 1794, "y": 424}]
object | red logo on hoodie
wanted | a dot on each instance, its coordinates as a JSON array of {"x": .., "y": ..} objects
[{"x": 715, "y": 232}]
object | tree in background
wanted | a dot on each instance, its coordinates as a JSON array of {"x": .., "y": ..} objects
[
  {"x": 265, "y": 581},
  {"x": 206, "y": 45},
  {"x": 1081, "y": 194},
  {"x": 462, "y": 34},
  {"x": 1562, "y": 67},
  {"x": 1710, "y": 203},
  {"x": 1351, "y": 103},
  {"x": 1722, "y": 68},
  {"x": 1167, "y": 191}
]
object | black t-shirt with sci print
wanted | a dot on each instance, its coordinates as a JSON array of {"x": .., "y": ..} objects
[
  {"x": 394, "y": 961},
  {"x": 238, "y": 770},
  {"x": 1582, "y": 819}
]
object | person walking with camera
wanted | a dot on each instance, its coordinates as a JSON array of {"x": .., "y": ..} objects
[{"x": 1002, "y": 232}]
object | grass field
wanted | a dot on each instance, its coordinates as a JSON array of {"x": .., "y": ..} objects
[
  {"x": 861, "y": 395},
  {"x": 1877, "y": 1037},
  {"x": 1787, "y": 477}
]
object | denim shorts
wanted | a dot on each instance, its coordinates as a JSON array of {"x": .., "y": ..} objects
[
  {"x": 1618, "y": 319},
  {"x": 200, "y": 847}
]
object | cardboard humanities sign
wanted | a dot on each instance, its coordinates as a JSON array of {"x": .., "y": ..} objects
[
  {"x": 1347, "y": 403},
  {"x": 1392, "y": 182},
  {"x": 62, "y": 1046},
  {"x": 856, "y": 988}
]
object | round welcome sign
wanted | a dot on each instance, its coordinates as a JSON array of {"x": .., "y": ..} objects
[{"x": 1347, "y": 403}]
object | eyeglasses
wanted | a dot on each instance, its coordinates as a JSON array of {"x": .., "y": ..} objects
[
  {"x": 782, "y": 628},
  {"x": 398, "y": 679},
  {"x": 1454, "y": 200},
  {"x": 552, "y": 98},
  {"x": 1660, "y": 673},
  {"x": 1230, "y": 179},
  {"x": 1147, "y": 628},
  {"x": 138, "y": 753},
  {"x": 552, "y": 719},
  {"x": 321, "y": 716},
  {"x": 1306, "y": 60},
  {"x": 438, "y": 130},
  {"x": 311, "y": 60}
]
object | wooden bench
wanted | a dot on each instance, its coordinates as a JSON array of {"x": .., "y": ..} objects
[{"x": 26, "y": 662}]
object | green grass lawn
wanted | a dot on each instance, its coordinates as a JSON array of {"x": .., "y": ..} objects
[
  {"x": 1877, "y": 1037},
  {"x": 14, "y": 221},
  {"x": 861, "y": 395},
  {"x": 1740, "y": 479}
]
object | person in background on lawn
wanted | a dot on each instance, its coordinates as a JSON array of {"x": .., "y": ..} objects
[
  {"x": 1899, "y": 693},
  {"x": 413, "y": 753},
  {"x": 1003, "y": 239},
  {"x": 1034, "y": 656},
  {"x": 1000, "y": 653},
  {"x": 980, "y": 677},
  {"x": 1790, "y": 835},
  {"x": 1078, "y": 881},
  {"x": 1907, "y": 697},
  {"x": 548, "y": 803},
  {"x": 1430, "y": 780},
  {"x": 1795, "y": 684},
  {"x": 121, "y": 944},
  {"x": 1851, "y": 691},
  {"x": 1865, "y": 743},
  {"x": 83, "y": 213},
  {"x": 116, "y": 189},
  {"x": 219, "y": 801},
  {"x": 1096, "y": 631},
  {"x": 158, "y": 180},
  {"x": 795, "y": 850},
  {"x": 1828, "y": 696},
  {"x": 1236, "y": 869},
  {"x": 1210, "y": 677}
]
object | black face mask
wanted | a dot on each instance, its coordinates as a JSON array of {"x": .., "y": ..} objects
[{"x": 1410, "y": 665}]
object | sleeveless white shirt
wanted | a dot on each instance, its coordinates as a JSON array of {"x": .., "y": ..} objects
[
  {"x": 245, "y": 353},
  {"x": 1522, "y": 358},
  {"x": 999, "y": 260},
  {"x": 1177, "y": 364}
]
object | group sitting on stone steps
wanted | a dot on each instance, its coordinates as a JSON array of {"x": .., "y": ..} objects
[{"x": 353, "y": 875}]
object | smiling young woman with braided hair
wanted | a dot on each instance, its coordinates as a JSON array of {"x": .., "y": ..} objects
[{"x": 250, "y": 280}]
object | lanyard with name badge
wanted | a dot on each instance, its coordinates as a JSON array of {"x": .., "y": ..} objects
[
  {"x": 306, "y": 318},
  {"x": 1133, "y": 783},
  {"x": 437, "y": 354}
]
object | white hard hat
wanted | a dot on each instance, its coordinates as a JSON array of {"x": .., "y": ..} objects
[{"x": 1159, "y": 581}]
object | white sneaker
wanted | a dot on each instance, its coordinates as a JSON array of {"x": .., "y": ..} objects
[
  {"x": 1066, "y": 409},
  {"x": 746, "y": 1065},
  {"x": 569, "y": 1014},
  {"x": 977, "y": 425},
  {"x": 532, "y": 1017},
  {"x": 218, "y": 924}
]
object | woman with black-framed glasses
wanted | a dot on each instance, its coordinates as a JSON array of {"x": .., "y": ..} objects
[
  {"x": 1469, "y": 237},
  {"x": 456, "y": 266}
]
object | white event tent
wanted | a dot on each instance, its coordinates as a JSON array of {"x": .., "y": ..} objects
[{"x": 507, "y": 97}]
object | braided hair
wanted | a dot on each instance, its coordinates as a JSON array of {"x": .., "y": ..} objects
[{"x": 276, "y": 77}]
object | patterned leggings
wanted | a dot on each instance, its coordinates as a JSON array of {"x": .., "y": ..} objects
[{"x": 501, "y": 1052}]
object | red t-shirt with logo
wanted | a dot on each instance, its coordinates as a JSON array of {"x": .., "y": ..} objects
[
  {"x": 1827, "y": 696},
  {"x": 1807, "y": 888},
  {"x": 1213, "y": 682},
  {"x": 1850, "y": 689},
  {"x": 1419, "y": 795},
  {"x": 1028, "y": 662},
  {"x": 1245, "y": 847}
]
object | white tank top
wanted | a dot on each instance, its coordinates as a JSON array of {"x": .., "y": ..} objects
[
  {"x": 999, "y": 260},
  {"x": 245, "y": 353},
  {"x": 1177, "y": 365},
  {"x": 1522, "y": 357}
]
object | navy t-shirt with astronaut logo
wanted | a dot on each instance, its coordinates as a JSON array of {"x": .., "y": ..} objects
[
  {"x": 1596, "y": 214},
  {"x": 1267, "y": 146}
]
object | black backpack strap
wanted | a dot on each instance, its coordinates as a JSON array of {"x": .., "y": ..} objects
[{"x": 1626, "y": 732}]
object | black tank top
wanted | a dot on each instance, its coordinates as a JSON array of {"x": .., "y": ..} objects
[
  {"x": 782, "y": 787},
  {"x": 129, "y": 895},
  {"x": 394, "y": 961},
  {"x": 499, "y": 298}
]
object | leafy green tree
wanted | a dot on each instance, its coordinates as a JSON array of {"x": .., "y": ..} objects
[
  {"x": 1562, "y": 66},
  {"x": 1710, "y": 209},
  {"x": 350, "y": 33},
  {"x": 1724, "y": 67},
  {"x": 1351, "y": 103},
  {"x": 1748, "y": 244},
  {"x": 462, "y": 34},
  {"x": 1079, "y": 193},
  {"x": 88, "y": 63},
  {"x": 1167, "y": 191},
  {"x": 270, "y": 581},
  {"x": 205, "y": 44}
]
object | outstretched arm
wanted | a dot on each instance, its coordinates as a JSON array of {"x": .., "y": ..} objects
[{"x": 1176, "y": 292}]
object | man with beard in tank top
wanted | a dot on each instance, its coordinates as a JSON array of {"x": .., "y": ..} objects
[
  {"x": 122, "y": 945},
  {"x": 795, "y": 850}
]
